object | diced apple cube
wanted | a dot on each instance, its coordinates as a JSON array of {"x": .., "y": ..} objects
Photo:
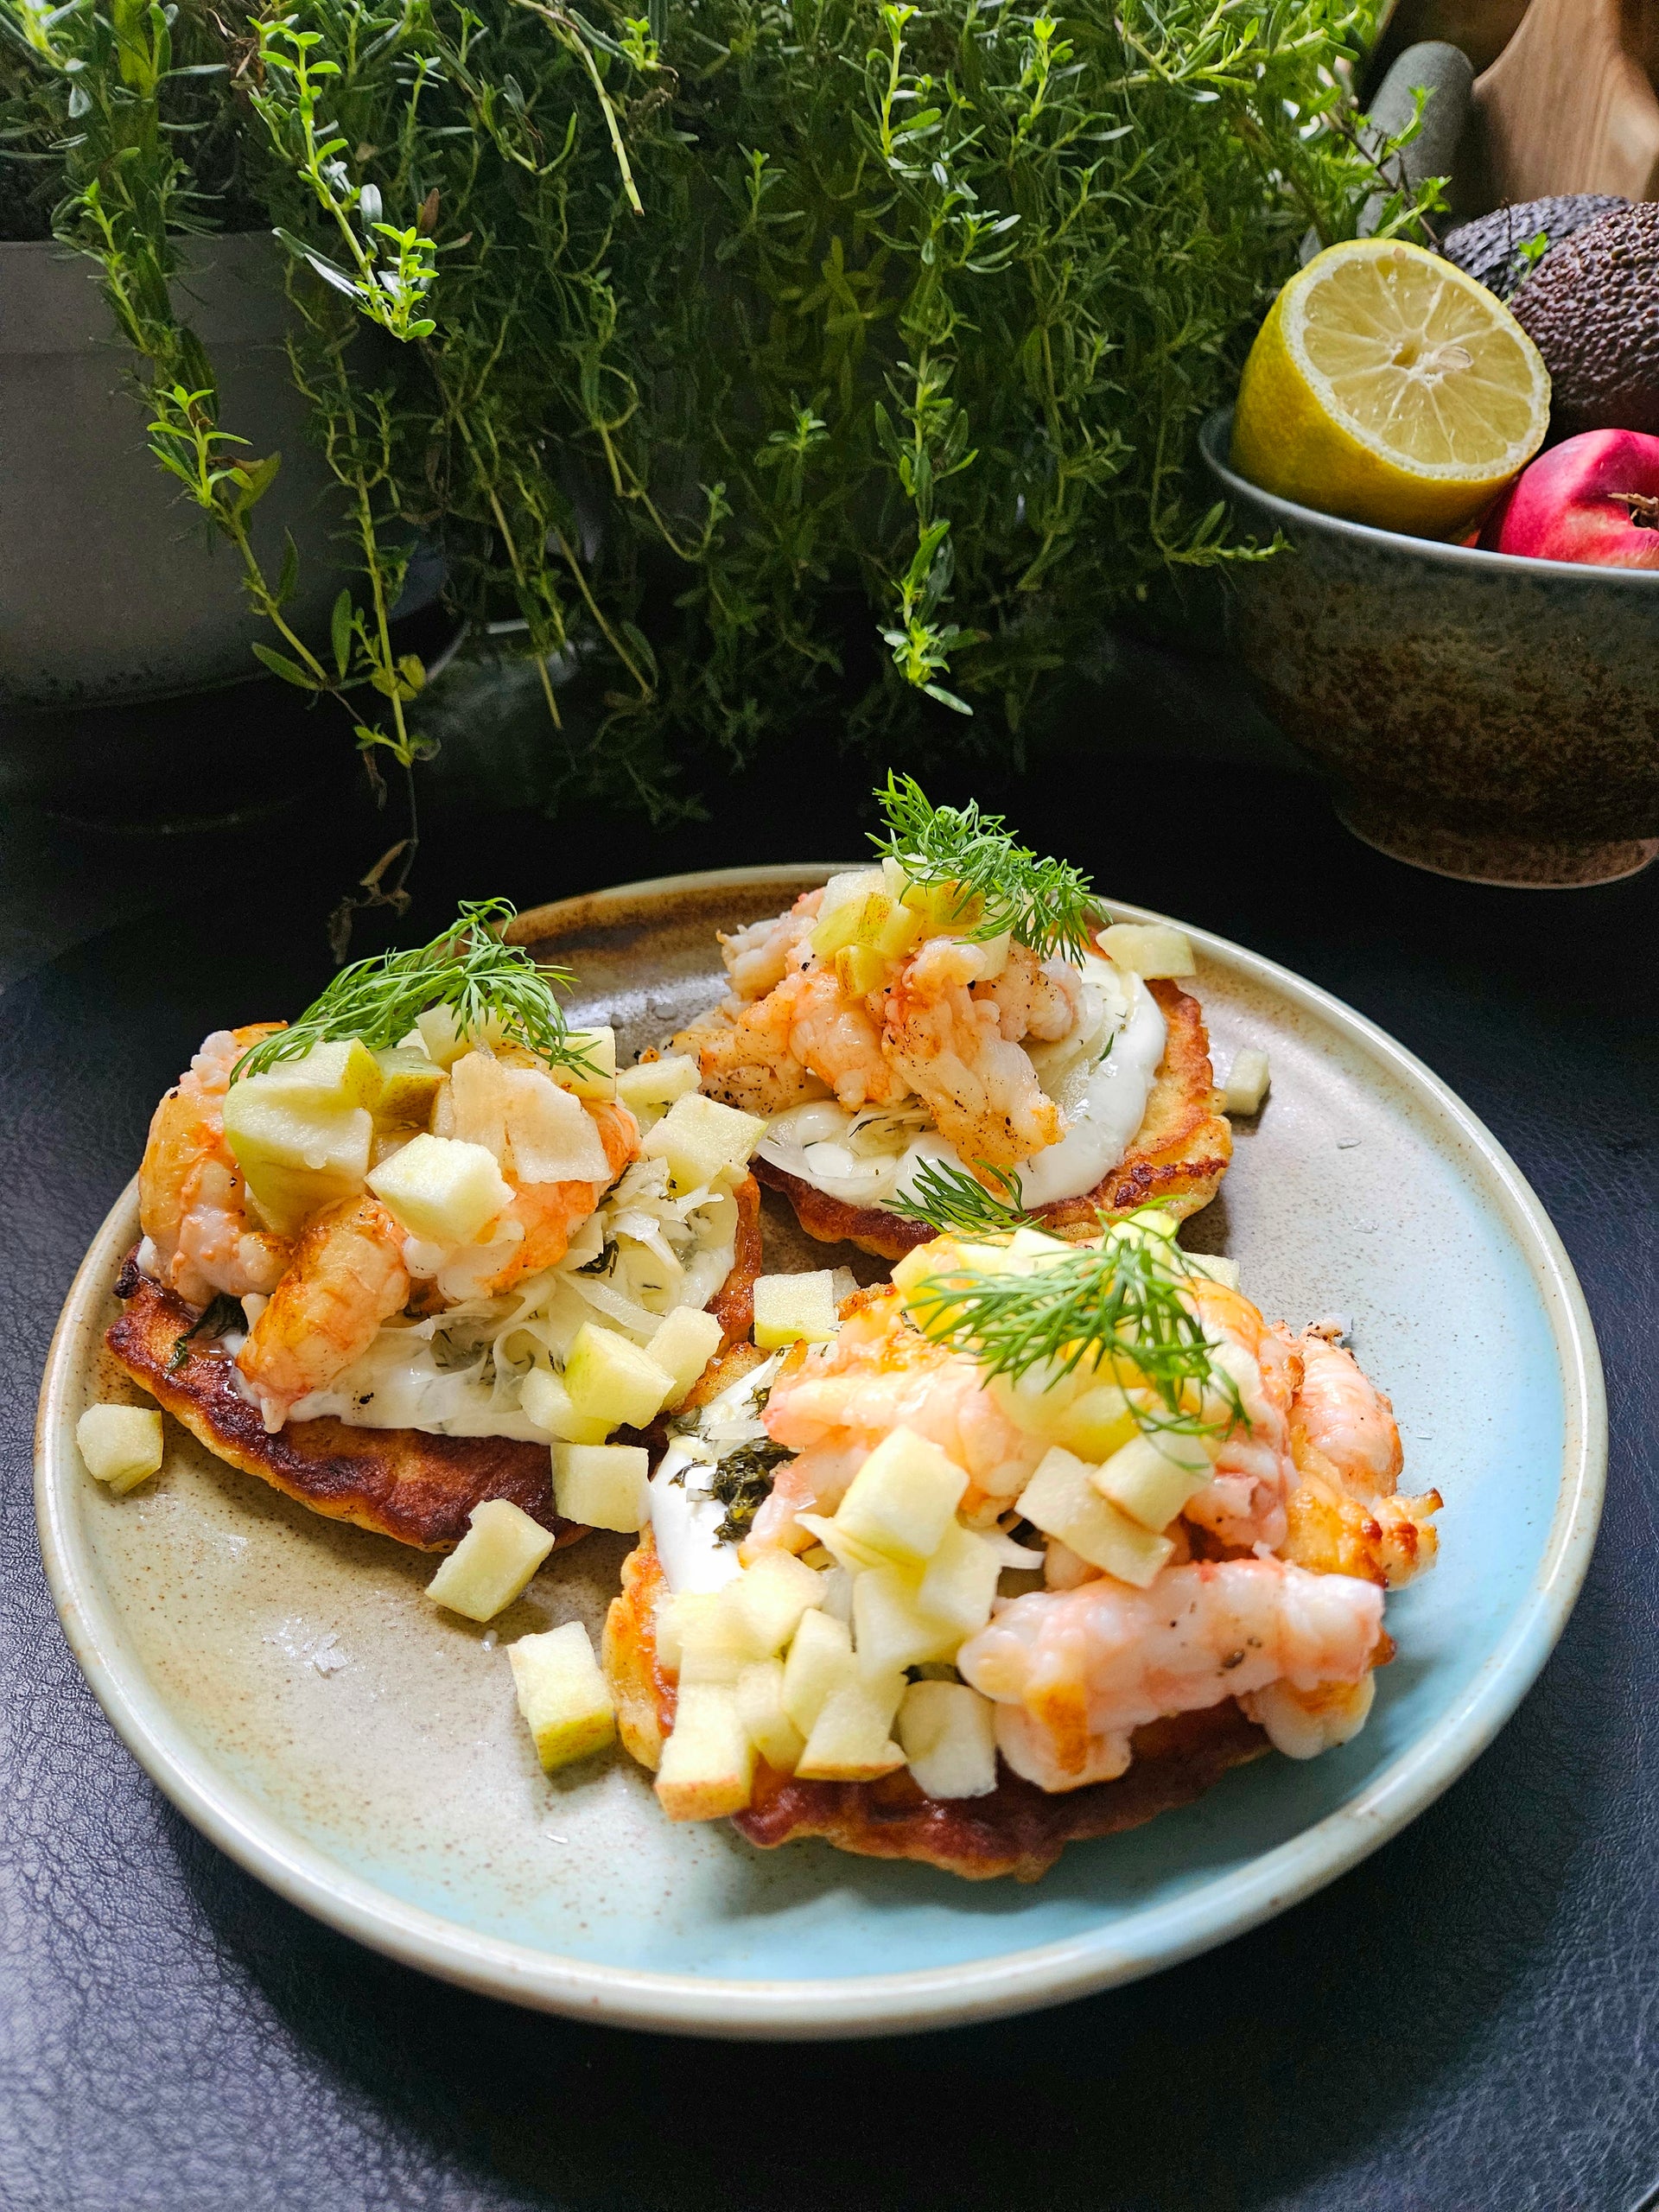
[
  {"x": 294, "y": 1158},
  {"x": 941, "y": 1257},
  {"x": 904, "y": 1497},
  {"x": 714, "y": 1643},
  {"x": 409, "y": 1083},
  {"x": 441, "y": 1189},
  {"x": 1096, "y": 1424},
  {"x": 771, "y": 1595},
  {"x": 794, "y": 1309},
  {"x": 708, "y": 1763},
  {"x": 685, "y": 1612},
  {"x": 860, "y": 969},
  {"x": 838, "y": 1582},
  {"x": 760, "y": 1708},
  {"x": 651, "y": 1088},
  {"x": 553, "y": 1136},
  {"x": 1062, "y": 1501},
  {"x": 684, "y": 1343},
  {"x": 700, "y": 1139},
  {"x": 341, "y": 1074},
  {"x": 543, "y": 1398},
  {"x": 564, "y": 1698},
  {"x": 1037, "y": 1244},
  {"x": 850, "y": 887},
  {"x": 949, "y": 1734},
  {"x": 1149, "y": 949},
  {"x": 959, "y": 1582},
  {"x": 492, "y": 1562},
  {"x": 1216, "y": 1265},
  {"x": 820, "y": 1660},
  {"x": 945, "y": 908},
  {"x": 851, "y": 1738},
  {"x": 851, "y": 1554},
  {"x": 598, "y": 1048},
  {"x": 602, "y": 1485},
  {"x": 121, "y": 1446},
  {"x": 1152, "y": 1478},
  {"x": 611, "y": 1379},
  {"x": 441, "y": 1035},
  {"x": 1247, "y": 1082},
  {"x": 890, "y": 1630}
]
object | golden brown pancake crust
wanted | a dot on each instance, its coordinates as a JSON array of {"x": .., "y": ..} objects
[
  {"x": 1179, "y": 1154},
  {"x": 1019, "y": 1830},
  {"x": 402, "y": 1483}
]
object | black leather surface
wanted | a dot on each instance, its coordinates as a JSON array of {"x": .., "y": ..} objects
[{"x": 1468, "y": 2021}]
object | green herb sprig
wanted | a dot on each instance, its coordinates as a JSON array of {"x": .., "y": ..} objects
[
  {"x": 957, "y": 1203},
  {"x": 846, "y": 357},
  {"x": 221, "y": 1313},
  {"x": 466, "y": 967},
  {"x": 1046, "y": 904},
  {"x": 1118, "y": 1306}
]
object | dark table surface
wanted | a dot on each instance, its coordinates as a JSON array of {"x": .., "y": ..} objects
[{"x": 1467, "y": 2020}]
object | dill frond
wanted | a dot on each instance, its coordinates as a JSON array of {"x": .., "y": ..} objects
[
  {"x": 1118, "y": 1307},
  {"x": 466, "y": 967},
  {"x": 1046, "y": 904},
  {"x": 957, "y": 1203}
]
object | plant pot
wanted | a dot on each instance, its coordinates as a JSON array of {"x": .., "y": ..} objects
[
  {"x": 116, "y": 588},
  {"x": 1483, "y": 716}
]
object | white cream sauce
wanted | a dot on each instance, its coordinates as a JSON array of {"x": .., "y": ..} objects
[
  {"x": 1100, "y": 1077},
  {"x": 683, "y": 1515}
]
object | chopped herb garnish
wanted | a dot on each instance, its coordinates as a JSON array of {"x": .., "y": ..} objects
[
  {"x": 603, "y": 1262},
  {"x": 1046, "y": 904},
  {"x": 1120, "y": 1306},
  {"x": 957, "y": 1203},
  {"x": 741, "y": 1482},
  {"x": 466, "y": 967},
  {"x": 223, "y": 1313}
]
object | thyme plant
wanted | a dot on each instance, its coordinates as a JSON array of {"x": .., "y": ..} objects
[{"x": 740, "y": 354}]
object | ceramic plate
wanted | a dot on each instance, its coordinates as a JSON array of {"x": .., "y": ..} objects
[{"x": 284, "y": 1680}]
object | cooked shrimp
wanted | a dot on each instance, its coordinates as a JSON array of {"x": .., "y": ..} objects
[
  {"x": 837, "y": 1038},
  {"x": 546, "y": 1212},
  {"x": 803, "y": 1039},
  {"x": 1243, "y": 1502},
  {"x": 833, "y": 1403},
  {"x": 1342, "y": 1414},
  {"x": 1033, "y": 997},
  {"x": 1343, "y": 1517},
  {"x": 192, "y": 1201},
  {"x": 949, "y": 1047},
  {"x": 1075, "y": 1672},
  {"x": 744, "y": 1060},
  {"x": 346, "y": 1277},
  {"x": 758, "y": 956}
]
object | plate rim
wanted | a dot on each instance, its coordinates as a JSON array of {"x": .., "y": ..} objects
[{"x": 1015, "y": 1980}]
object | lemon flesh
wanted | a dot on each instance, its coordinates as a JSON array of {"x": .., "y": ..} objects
[{"x": 1388, "y": 386}]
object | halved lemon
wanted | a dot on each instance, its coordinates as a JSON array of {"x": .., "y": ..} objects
[{"x": 1388, "y": 386}]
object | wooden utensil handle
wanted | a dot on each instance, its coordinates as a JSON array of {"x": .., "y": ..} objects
[{"x": 1568, "y": 105}]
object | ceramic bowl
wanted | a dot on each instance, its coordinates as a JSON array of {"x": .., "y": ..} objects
[{"x": 1483, "y": 716}]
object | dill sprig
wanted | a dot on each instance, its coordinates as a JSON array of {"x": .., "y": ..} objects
[
  {"x": 488, "y": 984},
  {"x": 1118, "y": 1306},
  {"x": 1046, "y": 904},
  {"x": 957, "y": 1203}
]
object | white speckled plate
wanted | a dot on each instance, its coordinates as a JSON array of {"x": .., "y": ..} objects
[{"x": 285, "y": 1683}]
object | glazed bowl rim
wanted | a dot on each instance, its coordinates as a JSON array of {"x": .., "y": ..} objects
[{"x": 1291, "y": 515}]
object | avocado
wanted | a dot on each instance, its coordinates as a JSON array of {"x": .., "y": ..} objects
[
  {"x": 1491, "y": 249},
  {"x": 1591, "y": 309}
]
